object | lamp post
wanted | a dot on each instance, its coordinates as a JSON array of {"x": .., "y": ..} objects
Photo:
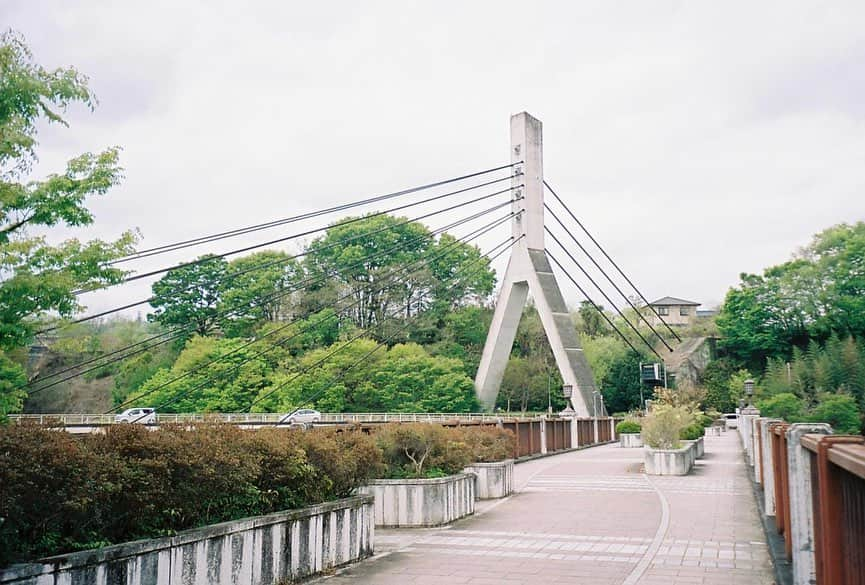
[
  {"x": 595, "y": 394},
  {"x": 567, "y": 392},
  {"x": 749, "y": 391}
]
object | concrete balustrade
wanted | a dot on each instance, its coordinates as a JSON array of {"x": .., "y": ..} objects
[
  {"x": 493, "y": 480},
  {"x": 801, "y": 504},
  {"x": 422, "y": 502},
  {"x": 670, "y": 461},
  {"x": 278, "y": 547},
  {"x": 630, "y": 440},
  {"x": 786, "y": 461}
]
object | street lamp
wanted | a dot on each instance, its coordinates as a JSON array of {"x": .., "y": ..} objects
[
  {"x": 567, "y": 392},
  {"x": 749, "y": 390},
  {"x": 595, "y": 394}
]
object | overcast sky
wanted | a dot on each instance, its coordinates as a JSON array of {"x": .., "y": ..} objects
[{"x": 697, "y": 140}]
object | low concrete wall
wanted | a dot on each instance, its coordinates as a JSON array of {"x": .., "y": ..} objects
[
  {"x": 630, "y": 440},
  {"x": 264, "y": 549},
  {"x": 422, "y": 502},
  {"x": 493, "y": 480},
  {"x": 669, "y": 461},
  {"x": 699, "y": 446}
]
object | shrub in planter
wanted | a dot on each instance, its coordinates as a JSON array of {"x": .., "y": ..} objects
[
  {"x": 628, "y": 426},
  {"x": 662, "y": 427},
  {"x": 489, "y": 444},
  {"x": 704, "y": 420},
  {"x": 422, "y": 450},
  {"x": 691, "y": 432}
]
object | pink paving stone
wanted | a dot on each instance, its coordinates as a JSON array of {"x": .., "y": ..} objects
[{"x": 595, "y": 501}]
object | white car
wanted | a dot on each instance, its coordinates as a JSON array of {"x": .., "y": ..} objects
[
  {"x": 144, "y": 416},
  {"x": 301, "y": 416},
  {"x": 731, "y": 421}
]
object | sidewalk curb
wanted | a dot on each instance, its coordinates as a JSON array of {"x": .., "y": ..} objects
[{"x": 782, "y": 568}]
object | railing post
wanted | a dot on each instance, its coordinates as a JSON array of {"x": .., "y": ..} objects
[
  {"x": 828, "y": 534},
  {"x": 767, "y": 469},
  {"x": 543, "y": 435},
  {"x": 801, "y": 503}
]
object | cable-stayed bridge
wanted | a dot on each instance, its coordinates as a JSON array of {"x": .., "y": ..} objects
[{"x": 506, "y": 205}]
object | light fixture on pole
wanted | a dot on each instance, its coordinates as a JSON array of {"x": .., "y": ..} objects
[
  {"x": 749, "y": 390},
  {"x": 567, "y": 392}
]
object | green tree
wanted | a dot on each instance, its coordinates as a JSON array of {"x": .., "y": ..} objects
[
  {"x": 621, "y": 385},
  {"x": 592, "y": 322},
  {"x": 840, "y": 411},
  {"x": 40, "y": 277},
  {"x": 352, "y": 377},
  {"x": 256, "y": 290},
  {"x": 716, "y": 380},
  {"x": 190, "y": 296},
  {"x": 215, "y": 375},
  {"x": 785, "y": 406},
  {"x": 354, "y": 255}
]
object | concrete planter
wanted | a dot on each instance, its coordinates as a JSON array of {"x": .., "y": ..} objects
[
  {"x": 493, "y": 480},
  {"x": 669, "y": 461},
  {"x": 264, "y": 549},
  {"x": 630, "y": 440},
  {"x": 699, "y": 446},
  {"x": 422, "y": 502},
  {"x": 712, "y": 432}
]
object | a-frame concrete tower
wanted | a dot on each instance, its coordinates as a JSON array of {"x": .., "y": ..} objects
[{"x": 529, "y": 270}]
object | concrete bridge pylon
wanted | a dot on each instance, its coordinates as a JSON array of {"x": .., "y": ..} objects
[{"x": 529, "y": 271}]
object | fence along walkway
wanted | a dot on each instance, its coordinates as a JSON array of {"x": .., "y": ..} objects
[
  {"x": 813, "y": 488},
  {"x": 590, "y": 517}
]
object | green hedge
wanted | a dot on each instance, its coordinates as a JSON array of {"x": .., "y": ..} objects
[
  {"x": 61, "y": 492},
  {"x": 628, "y": 426},
  {"x": 691, "y": 432}
]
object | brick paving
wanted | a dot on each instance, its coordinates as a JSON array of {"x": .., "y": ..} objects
[{"x": 591, "y": 517}]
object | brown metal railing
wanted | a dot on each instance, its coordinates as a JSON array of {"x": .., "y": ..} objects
[
  {"x": 838, "y": 496},
  {"x": 781, "y": 476}
]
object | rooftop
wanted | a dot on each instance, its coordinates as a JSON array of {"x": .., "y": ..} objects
[{"x": 670, "y": 301}]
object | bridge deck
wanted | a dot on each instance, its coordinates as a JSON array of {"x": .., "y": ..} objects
[{"x": 590, "y": 517}]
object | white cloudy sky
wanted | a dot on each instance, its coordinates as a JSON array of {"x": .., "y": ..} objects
[{"x": 696, "y": 139}]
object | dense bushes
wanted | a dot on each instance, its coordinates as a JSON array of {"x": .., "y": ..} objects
[
  {"x": 61, "y": 492},
  {"x": 663, "y": 427},
  {"x": 424, "y": 450},
  {"x": 691, "y": 432},
  {"x": 628, "y": 426}
]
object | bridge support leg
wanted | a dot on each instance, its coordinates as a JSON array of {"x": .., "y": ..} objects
[{"x": 529, "y": 270}]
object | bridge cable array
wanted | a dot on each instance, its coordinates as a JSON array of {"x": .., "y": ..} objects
[
  {"x": 287, "y": 259},
  {"x": 387, "y": 281},
  {"x": 165, "y": 337},
  {"x": 267, "y": 225},
  {"x": 308, "y": 399},
  {"x": 212, "y": 257},
  {"x": 567, "y": 251},
  {"x": 342, "y": 347},
  {"x": 611, "y": 261}
]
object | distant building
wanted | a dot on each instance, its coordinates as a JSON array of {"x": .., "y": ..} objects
[{"x": 674, "y": 311}]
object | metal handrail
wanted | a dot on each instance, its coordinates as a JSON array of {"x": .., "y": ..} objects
[{"x": 68, "y": 419}]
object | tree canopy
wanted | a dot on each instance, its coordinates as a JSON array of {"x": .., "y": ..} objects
[{"x": 40, "y": 277}]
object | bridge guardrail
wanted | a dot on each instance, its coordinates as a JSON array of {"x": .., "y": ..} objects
[{"x": 273, "y": 417}]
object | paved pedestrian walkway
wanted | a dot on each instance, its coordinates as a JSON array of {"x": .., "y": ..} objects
[{"x": 591, "y": 517}]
